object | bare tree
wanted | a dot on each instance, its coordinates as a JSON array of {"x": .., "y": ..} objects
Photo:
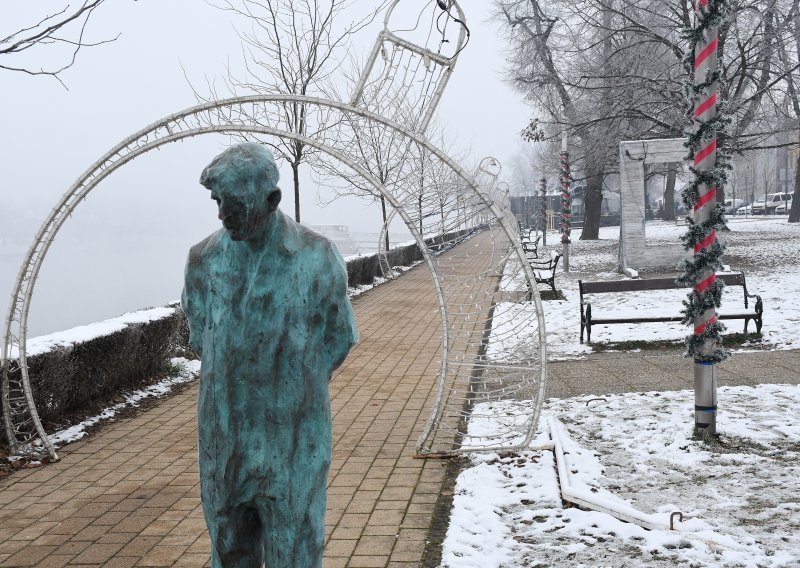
[
  {"x": 59, "y": 36},
  {"x": 292, "y": 47},
  {"x": 525, "y": 169},
  {"x": 612, "y": 70},
  {"x": 382, "y": 151},
  {"x": 789, "y": 60},
  {"x": 439, "y": 186}
]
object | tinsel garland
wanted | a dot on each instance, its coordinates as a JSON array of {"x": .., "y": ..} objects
[
  {"x": 565, "y": 202},
  {"x": 706, "y": 259}
]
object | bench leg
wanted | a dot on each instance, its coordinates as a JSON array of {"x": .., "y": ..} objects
[{"x": 588, "y": 324}]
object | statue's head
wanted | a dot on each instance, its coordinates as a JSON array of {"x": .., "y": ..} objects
[{"x": 243, "y": 181}]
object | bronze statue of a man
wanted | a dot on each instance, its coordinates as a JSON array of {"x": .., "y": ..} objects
[{"x": 269, "y": 315}]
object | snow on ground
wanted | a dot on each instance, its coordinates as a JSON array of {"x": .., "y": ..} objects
[
  {"x": 766, "y": 248},
  {"x": 187, "y": 369},
  {"x": 740, "y": 500}
]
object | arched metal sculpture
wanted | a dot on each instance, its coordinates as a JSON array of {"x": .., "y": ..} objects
[{"x": 437, "y": 221}]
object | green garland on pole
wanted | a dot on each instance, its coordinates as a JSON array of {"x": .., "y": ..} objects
[
  {"x": 708, "y": 121},
  {"x": 566, "y": 210}
]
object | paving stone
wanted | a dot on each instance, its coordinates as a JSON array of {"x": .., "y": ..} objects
[{"x": 97, "y": 553}]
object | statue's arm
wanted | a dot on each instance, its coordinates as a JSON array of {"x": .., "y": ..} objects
[
  {"x": 193, "y": 299},
  {"x": 341, "y": 330}
]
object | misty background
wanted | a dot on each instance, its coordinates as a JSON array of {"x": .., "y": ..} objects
[{"x": 125, "y": 247}]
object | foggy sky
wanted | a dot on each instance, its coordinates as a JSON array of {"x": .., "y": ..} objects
[{"x": 125, "y": 247}]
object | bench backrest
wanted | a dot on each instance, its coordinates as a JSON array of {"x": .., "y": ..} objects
[{"x": 636, "y": 285}]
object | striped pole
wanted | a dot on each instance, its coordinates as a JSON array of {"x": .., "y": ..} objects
[
  {"x": 705, "y": 159},
  {"x": 543, "y": 188},
  {"x": 565, "y": 201}
]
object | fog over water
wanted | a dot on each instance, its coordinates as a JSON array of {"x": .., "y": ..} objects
[{"x": 125, "y": 247}]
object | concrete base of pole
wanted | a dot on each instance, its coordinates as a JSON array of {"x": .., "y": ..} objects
[{"x": 705, "y": 399}]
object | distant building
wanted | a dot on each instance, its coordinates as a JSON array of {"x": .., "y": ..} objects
[{"x": 340, "y": 235}]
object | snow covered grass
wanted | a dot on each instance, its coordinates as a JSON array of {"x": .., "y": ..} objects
[
  {"x": 187, "y": 370},
  {"x": 740, "y": 499},
  {"x": 766, "y": 248}
]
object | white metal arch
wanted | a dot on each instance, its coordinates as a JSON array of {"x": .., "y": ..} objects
[{"x": 22, "y": 425}]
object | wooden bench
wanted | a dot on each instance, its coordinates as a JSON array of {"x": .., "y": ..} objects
[
  {"x": 544, "y": 271},
  {"x": 655, "y": 284}
]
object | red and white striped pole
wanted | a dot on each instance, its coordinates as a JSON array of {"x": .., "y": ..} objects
[
  {"x": 565, "y": 201},
  {"x": 705, "y": 159},
  {"x": 543, "y": 209}
]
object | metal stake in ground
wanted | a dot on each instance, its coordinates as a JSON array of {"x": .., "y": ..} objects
[
  {"x": 709, "y": 169},
  {"x": 565, "y": 201}
]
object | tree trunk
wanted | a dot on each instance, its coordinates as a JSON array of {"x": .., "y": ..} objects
[
  {"x": 296, "y": 179},
  {"x": 794, "y": 213},
  {"x": 669, "y": 194},
  {"x": 593, "y": 201},
  {"x": 420, "y": 214},
  {"x": 386, "y": 236}
]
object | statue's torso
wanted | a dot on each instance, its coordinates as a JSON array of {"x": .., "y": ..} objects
[{"x": 272, "y": 329}]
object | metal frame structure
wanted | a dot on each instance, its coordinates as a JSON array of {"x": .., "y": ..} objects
[
  {"x": 387, "y": 35},
  {"x": 464, "y": 319},
  {"x": 634, "y": 252},
  {"x": 22, "y": 425}
]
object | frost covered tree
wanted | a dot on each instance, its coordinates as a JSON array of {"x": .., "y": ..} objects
[
  {"x": 789, "y": 58},
  {"x": 613, "y": 70},
  {"x": 525, "y": 171}
]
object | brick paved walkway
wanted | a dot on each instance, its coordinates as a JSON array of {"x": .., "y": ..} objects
[{"x": 129, "y": 496}]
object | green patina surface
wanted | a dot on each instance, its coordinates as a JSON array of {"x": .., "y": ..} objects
[{"x": 268, "y": 311}]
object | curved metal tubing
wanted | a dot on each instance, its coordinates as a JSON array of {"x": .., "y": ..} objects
[
  {"x": 448, "y": 63},
  {"x": 383, "y": 259},
  {"x": 462, "y": 36},
  {"x": 141, "y": 143}
]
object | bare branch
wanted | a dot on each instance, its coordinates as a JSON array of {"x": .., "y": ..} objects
[{"x": 44, "y": 38}]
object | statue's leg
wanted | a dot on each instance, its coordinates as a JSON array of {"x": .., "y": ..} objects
[
  {"x": 294, "y": 525},
  {"x": 235, "y": 538}
]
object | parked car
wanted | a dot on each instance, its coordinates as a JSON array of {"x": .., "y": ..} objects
[
  {"x": 784, "y": 208},
  {"x": 766, "y": 205},
  {"x": 731, "y": 205},
  {"x": 745, "y": 210}
]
